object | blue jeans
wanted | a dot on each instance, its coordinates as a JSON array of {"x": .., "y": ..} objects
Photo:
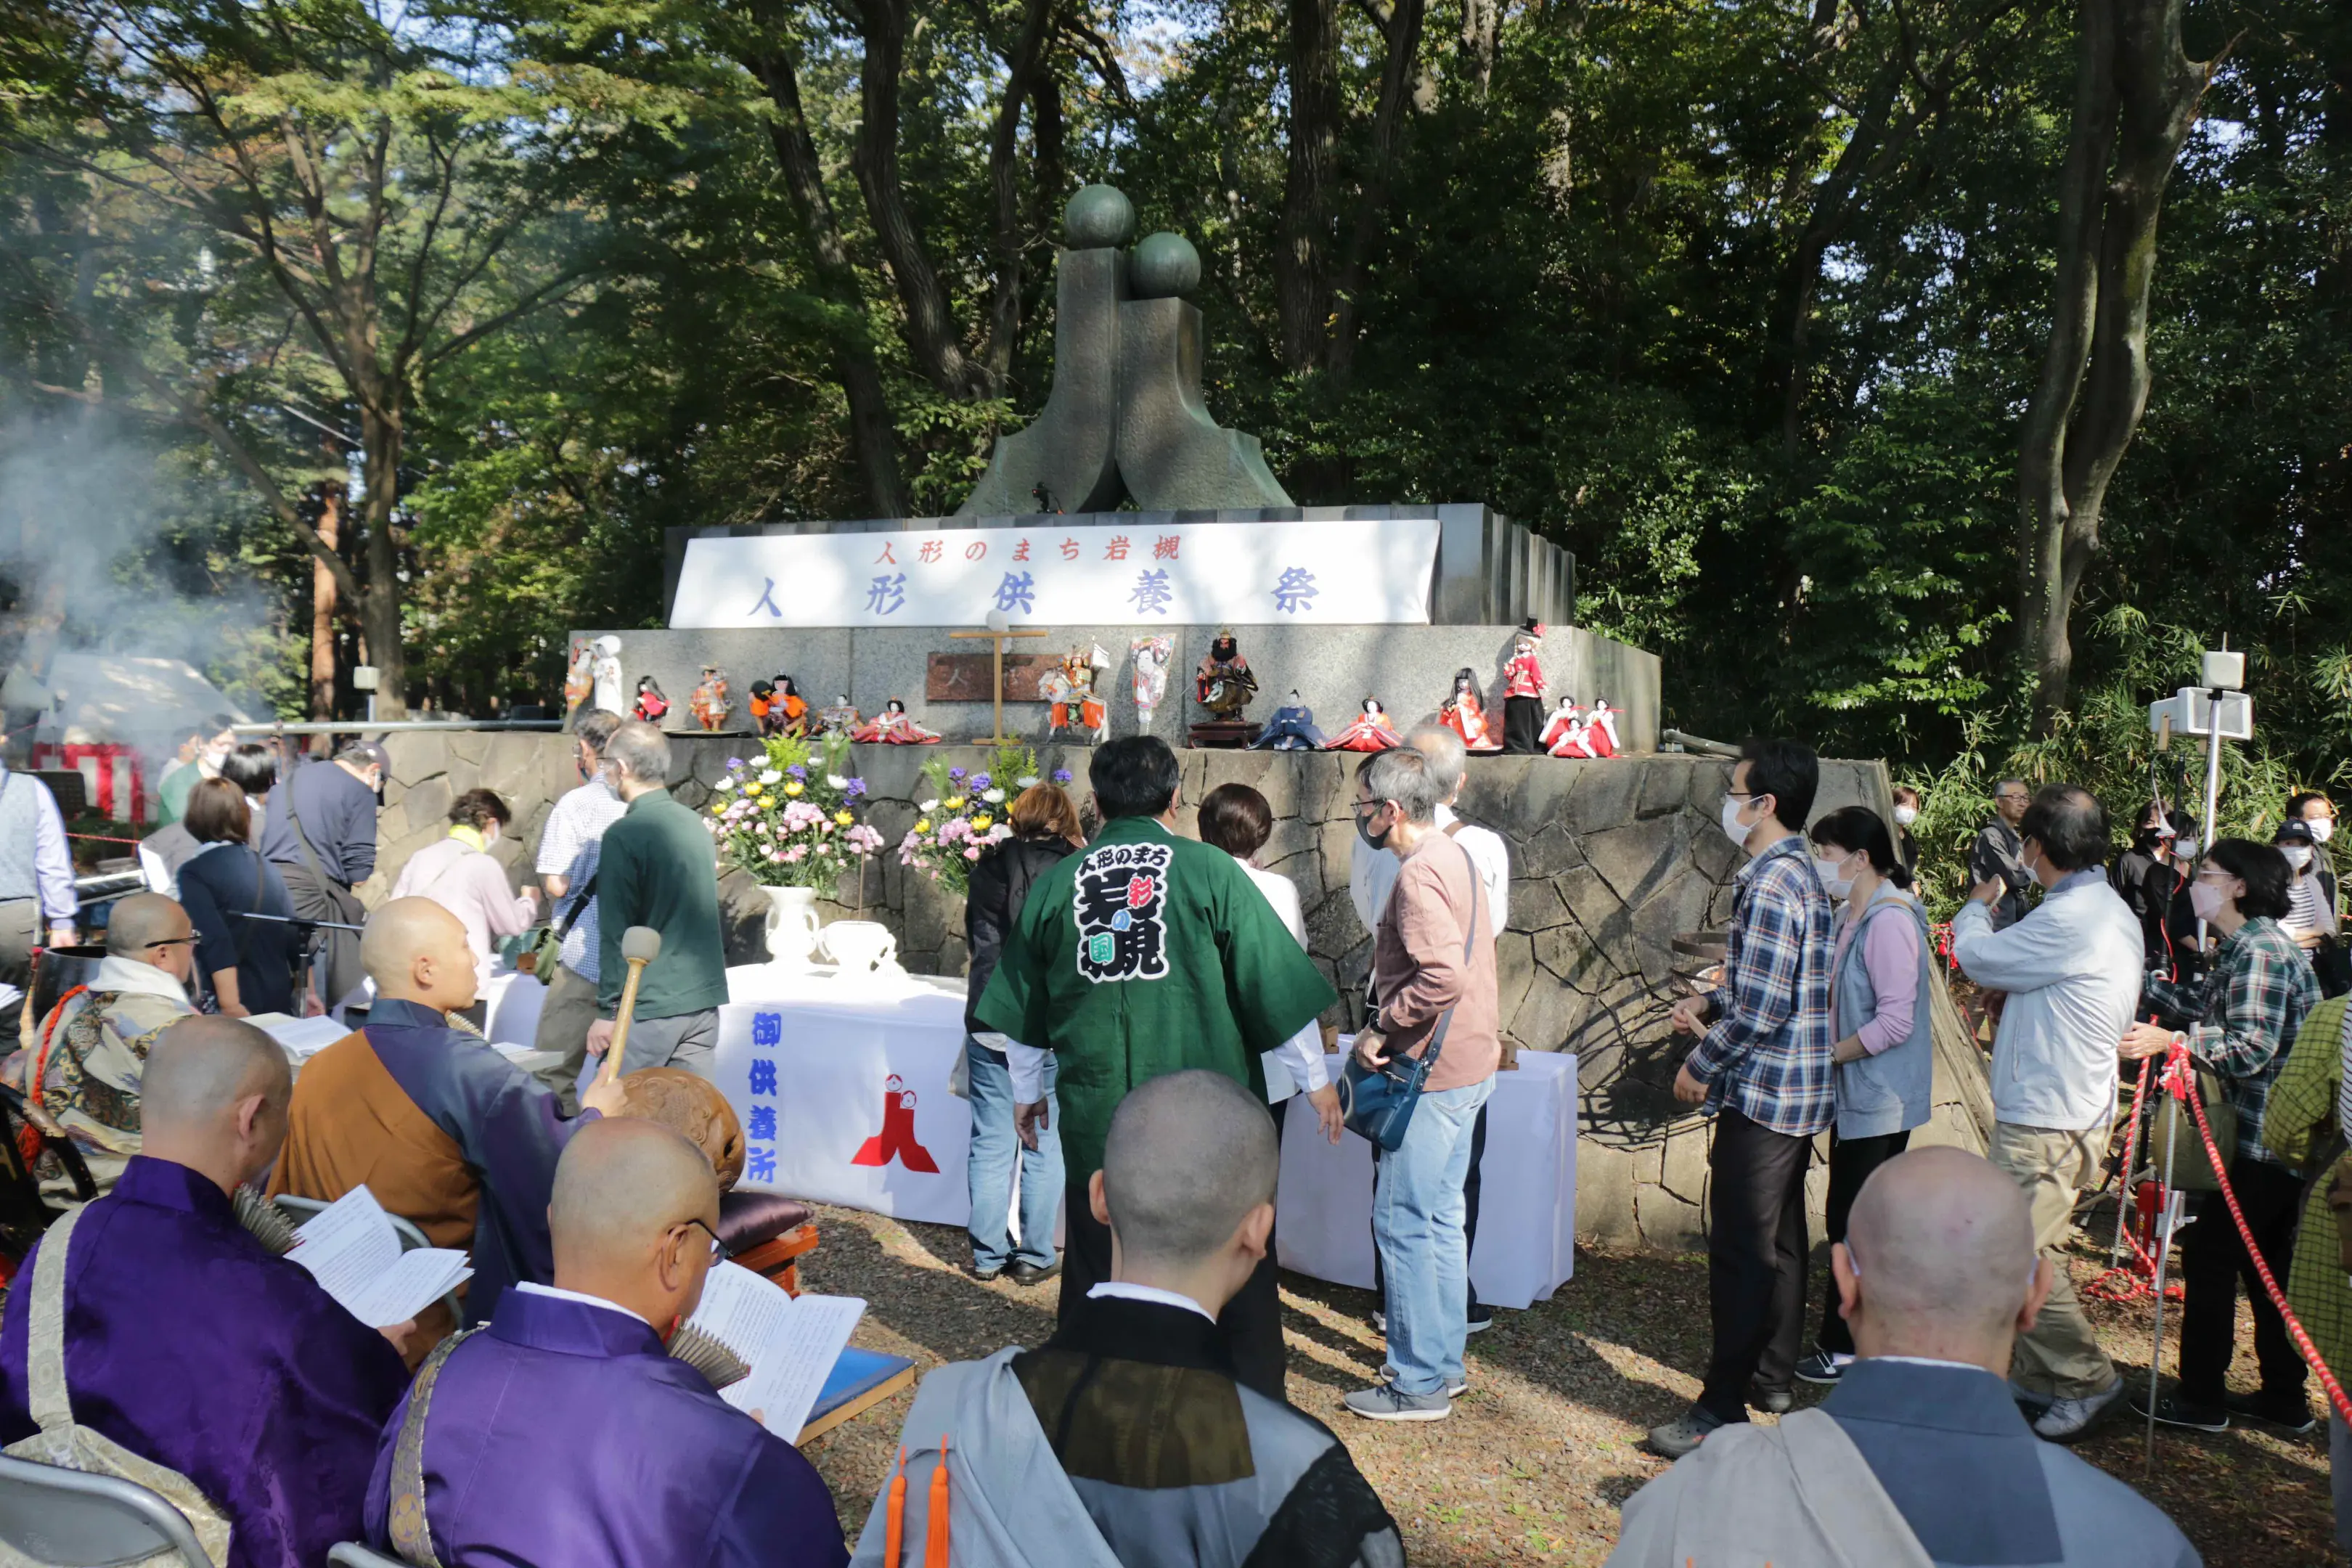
[
  {"x": 996, "y": 1150},
  {"x": 1417, "y": 1214}
]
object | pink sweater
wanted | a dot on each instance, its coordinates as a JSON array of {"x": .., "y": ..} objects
[{"x": 470, "y": 884}]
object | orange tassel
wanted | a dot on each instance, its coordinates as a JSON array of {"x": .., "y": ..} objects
[
  {"x": 935, "y": 1527},
  {"x": 894, "y": 1523}
]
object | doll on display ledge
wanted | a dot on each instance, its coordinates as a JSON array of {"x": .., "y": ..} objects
[
  {"x": 777, "y": 707},
  {"x": 1292, "y": 727},
  {"x": 1466, "y": 715},
  {"x": 1600, "y": 729},
  {"x": 841, "y": 718},
  {"x": 1563, "y": 736},
  {"x": 1224, "y": 684},
  {"x": 708, "y": 701},
  {"x": 1523, "y": 691},
  {"x": 604, "y": 673},
  {"x": 891, "y": 727},
  {"x": 1371, "y": 731},
  {"x": 1068, "y": 689},
  {"x": 651, "y": 704},
  {"x": 580, "y": 679}
]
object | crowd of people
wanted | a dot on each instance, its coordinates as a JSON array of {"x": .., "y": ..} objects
[{"x": 1137, "y": 996}]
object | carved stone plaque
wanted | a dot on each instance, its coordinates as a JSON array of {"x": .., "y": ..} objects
[{"x": 963, "y": 677}]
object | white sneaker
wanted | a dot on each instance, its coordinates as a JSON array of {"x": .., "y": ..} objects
[{"x": 2070, "y": 1420}]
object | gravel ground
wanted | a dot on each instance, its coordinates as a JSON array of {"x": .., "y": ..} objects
[{"x": 1542, "y": 1452}]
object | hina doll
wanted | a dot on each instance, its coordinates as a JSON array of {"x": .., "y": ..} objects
[
  {"x": 1466, "y": 715},
  {"x": 1523, "y": 691},
  {"x": 651, "y": 703},
  {"x": 1564, "y": 735},
  {"x": 1371, "y": 731},
  {"x": 1151, "y": 656},
  {"x": 708, "y": 702},
  {"x": 1600, "y": 729},
  {"x": 891, "y": 727},
  {"x": 1224, "y": 684},
  {"x": 841, "y": 718},
  {"x": 580, "y": 679},
  {"x": 1292, "y": 729}
]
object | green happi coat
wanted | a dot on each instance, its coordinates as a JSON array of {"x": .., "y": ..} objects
[{"x": 1147, "y": 953}]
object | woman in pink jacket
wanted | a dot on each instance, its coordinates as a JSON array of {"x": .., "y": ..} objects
[{"x": 462, "y": 876}]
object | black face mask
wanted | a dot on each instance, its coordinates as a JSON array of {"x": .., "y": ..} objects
[{"x": 1377, "y": 840}]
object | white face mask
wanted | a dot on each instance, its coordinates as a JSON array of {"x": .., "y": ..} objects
[
  {"x": 1904, "y": 815},
  {"x": 1732, "y": 829},
  {"x": 2205, "y": 900},
  {"x": 1829, "y": 866},
  {"x": 2323, "y": 829},
  {"x": 2297, "y": 855},
  {"x": 2184, "y": 848}
]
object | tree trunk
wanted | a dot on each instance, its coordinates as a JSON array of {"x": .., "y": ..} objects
[
  {"x": 380, "y": 444},
  {"x": 1023, "y": 64},
  {"x": 931, "y": 338},
  {"x": 322, "y": 600},
  {"x": 1482, "y": 30},
  {"x": 1303, "y": 264},
  {"x": 2136, "y": 97},
  {"x": 872, "y": 442},
  {"x": 1397, "y": 73}
]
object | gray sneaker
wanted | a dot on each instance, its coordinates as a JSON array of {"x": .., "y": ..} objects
[
  {"x": 2070, "y": 1420},
  {"x": 1684, "y": 1433},
  {"x": 1387, "y": 1402}
]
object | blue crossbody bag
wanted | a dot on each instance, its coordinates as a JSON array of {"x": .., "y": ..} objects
[{"x": 1378, "y": 1102}]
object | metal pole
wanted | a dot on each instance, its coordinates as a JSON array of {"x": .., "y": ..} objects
[
  {"x": 397, "y": 726},
  {"x": 2163, "y": 1256},
  {"x": 2212, "y": 782}
]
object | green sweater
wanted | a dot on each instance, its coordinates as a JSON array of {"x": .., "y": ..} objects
[
  {"x": 657, "y": 867},
  {"x": 1143, "y": 954}
]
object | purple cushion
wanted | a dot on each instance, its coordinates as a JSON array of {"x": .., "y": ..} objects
[{"x": 747, "y": 1220}]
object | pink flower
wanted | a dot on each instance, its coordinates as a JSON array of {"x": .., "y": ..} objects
[{"x": 972, "y": 853}]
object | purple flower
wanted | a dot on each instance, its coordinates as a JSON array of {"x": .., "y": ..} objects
[
  {"x": 955, "y": 773},
  {"x": 734, "y": 764},
  {"x": 798, "y": 772},
  {"x": 854, "y": 788},
  {"x": 981, "y": 781},
  {"x": 1062, "y": 775}
]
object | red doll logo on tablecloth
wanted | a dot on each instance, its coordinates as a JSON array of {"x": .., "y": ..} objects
[
  {"x": 1120, "y": 904},
  {"x": 897, "y": 1140}
]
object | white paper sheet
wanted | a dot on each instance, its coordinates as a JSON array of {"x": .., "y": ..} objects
[
  {"x": 417, "y": 1280},
  {"x": 301, "y": 1038},
  {"x": 347, "y": 1246},
  {"x": 789, "y": 1343}
]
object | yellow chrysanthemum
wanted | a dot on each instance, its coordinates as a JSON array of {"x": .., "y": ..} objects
[
  {"x": 922, "y": 825},
  {"x": 980, "y": 823},
  {"x": 843, "y": 819},
  {"x": 794, "y": 788}
]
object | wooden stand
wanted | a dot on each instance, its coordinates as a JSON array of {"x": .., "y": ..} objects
[
  {"x": 1223, "y": 734},
  {"x": 997, "y": 641}
]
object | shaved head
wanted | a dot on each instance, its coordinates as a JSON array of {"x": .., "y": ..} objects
[
  {"x": 201, "y": 1070},
  {"x": 1943, "y": 1244},
  {"x": 143, "y": 919},
  {"x": 621, "y": 1185},
  {"x": 416, "y": 951},
  {"x": 1188, "y": 1156}
]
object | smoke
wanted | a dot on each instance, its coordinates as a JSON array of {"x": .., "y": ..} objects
[{"x": 112, "y": 543}]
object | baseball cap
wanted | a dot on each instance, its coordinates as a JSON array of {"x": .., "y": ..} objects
[{"x": 2294, "y": 830}]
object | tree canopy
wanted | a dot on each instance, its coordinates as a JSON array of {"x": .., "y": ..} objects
[{"x": 1766, "y": 309}]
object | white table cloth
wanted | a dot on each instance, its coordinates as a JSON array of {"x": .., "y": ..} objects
[{"x": 1526, "y": 1200}]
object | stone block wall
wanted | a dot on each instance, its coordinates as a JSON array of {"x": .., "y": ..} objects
[{"x": 1610, "y": 860}]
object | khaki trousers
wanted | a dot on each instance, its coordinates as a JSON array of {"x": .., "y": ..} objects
[
  {"x": 2060, "y": 1357},
  {"x": 564, "y": 1015}
]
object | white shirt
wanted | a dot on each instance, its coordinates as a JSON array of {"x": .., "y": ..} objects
[
  {"x": 1121, "y": 1291},
  {"x": 2072, "y": 968},
  {"x": 568, "y": 846},
  {"x": 1302, "y": 1054},
  {"x": 1372, "y": 873},
  {"x": 538, "y": 1289}
]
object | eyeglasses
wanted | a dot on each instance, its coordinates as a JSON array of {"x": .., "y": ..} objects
[
  {"x": 170, "y": 941},
  {"x": 717, "y": 1247}
]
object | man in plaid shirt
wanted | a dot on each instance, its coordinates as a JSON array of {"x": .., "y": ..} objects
[
  {"x": 2244, "y": 1018},
  {"x": 1764, "y": 1064}
]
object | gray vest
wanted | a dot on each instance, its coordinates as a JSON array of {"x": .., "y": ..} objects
[
  {"x": 1894, "y": 1090},
  {"x": 20, "y": 815}
]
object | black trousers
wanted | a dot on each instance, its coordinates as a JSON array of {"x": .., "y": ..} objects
[
  {"x": 1469, "y": 1208},
  {"x": 1523, "y": 721},
  {"x": 2213, "y": 1262},
  {"x": 1851, "y": 1162},
  {"x": 1755, "y": 1260}
]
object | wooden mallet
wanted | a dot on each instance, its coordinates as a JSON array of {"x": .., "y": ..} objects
[{"x": 640, "y": 945}]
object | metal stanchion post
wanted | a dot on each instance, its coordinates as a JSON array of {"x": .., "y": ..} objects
[{"x": 2163, "y": 1256}]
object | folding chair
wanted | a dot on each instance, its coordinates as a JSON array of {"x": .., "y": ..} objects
[
  {"x": 351, "y": 1554},
  {"x": 67, "y": 1519}
]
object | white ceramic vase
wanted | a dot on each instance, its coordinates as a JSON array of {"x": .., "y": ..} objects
[{"x": 791, "y": 927}]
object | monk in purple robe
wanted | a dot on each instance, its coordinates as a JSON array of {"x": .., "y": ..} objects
[
  {"x": 565, "y": 1433},
  {"x": 445, "y": 1132},
  {"x": 193, "y": 1345}
]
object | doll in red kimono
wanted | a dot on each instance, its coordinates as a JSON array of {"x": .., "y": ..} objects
[
  {"x": 891, "y": 727},
  {"x": 1523, "y": 691},
  {"x": 1564, "y": 735},
  {"x": 1600, "y": 729},
  {"x": 1371, "y": 731},
  {"x": 651, "y": 703},
  {"x": 1466, "y": 715}
]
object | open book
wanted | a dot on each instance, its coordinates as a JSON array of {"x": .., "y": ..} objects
[
  {"x": 766, "y": 1351},
  {"x": 353, "y": 1253}
]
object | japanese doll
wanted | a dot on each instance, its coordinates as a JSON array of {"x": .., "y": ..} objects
[
  {"x": 606, "y": 672},
  {"x": 840, "y": 718},
  {"x": 1600, "y": 729},
  {"x": 1466, "y": 715},
  {"x": 777, "y": 707},
  {"x": 708, "y": 701},
  {"x": 580, "y": 679},
  {"x": 891, "y": 727},
  {"x": 1070, "y": 690},
  {"x": 1224, "y": 684},
  {"x": 651, "y": 703},
  {"x": 1292, "y": 729},
  {"x": 1523, "y": 691},
  {"x": 1150, "y": 675},
  {"x": 1371, "y": 731},
  {"x": 1564, "y": 736}
]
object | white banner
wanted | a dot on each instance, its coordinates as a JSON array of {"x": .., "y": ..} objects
[{"x": 1197, "y": 574}]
